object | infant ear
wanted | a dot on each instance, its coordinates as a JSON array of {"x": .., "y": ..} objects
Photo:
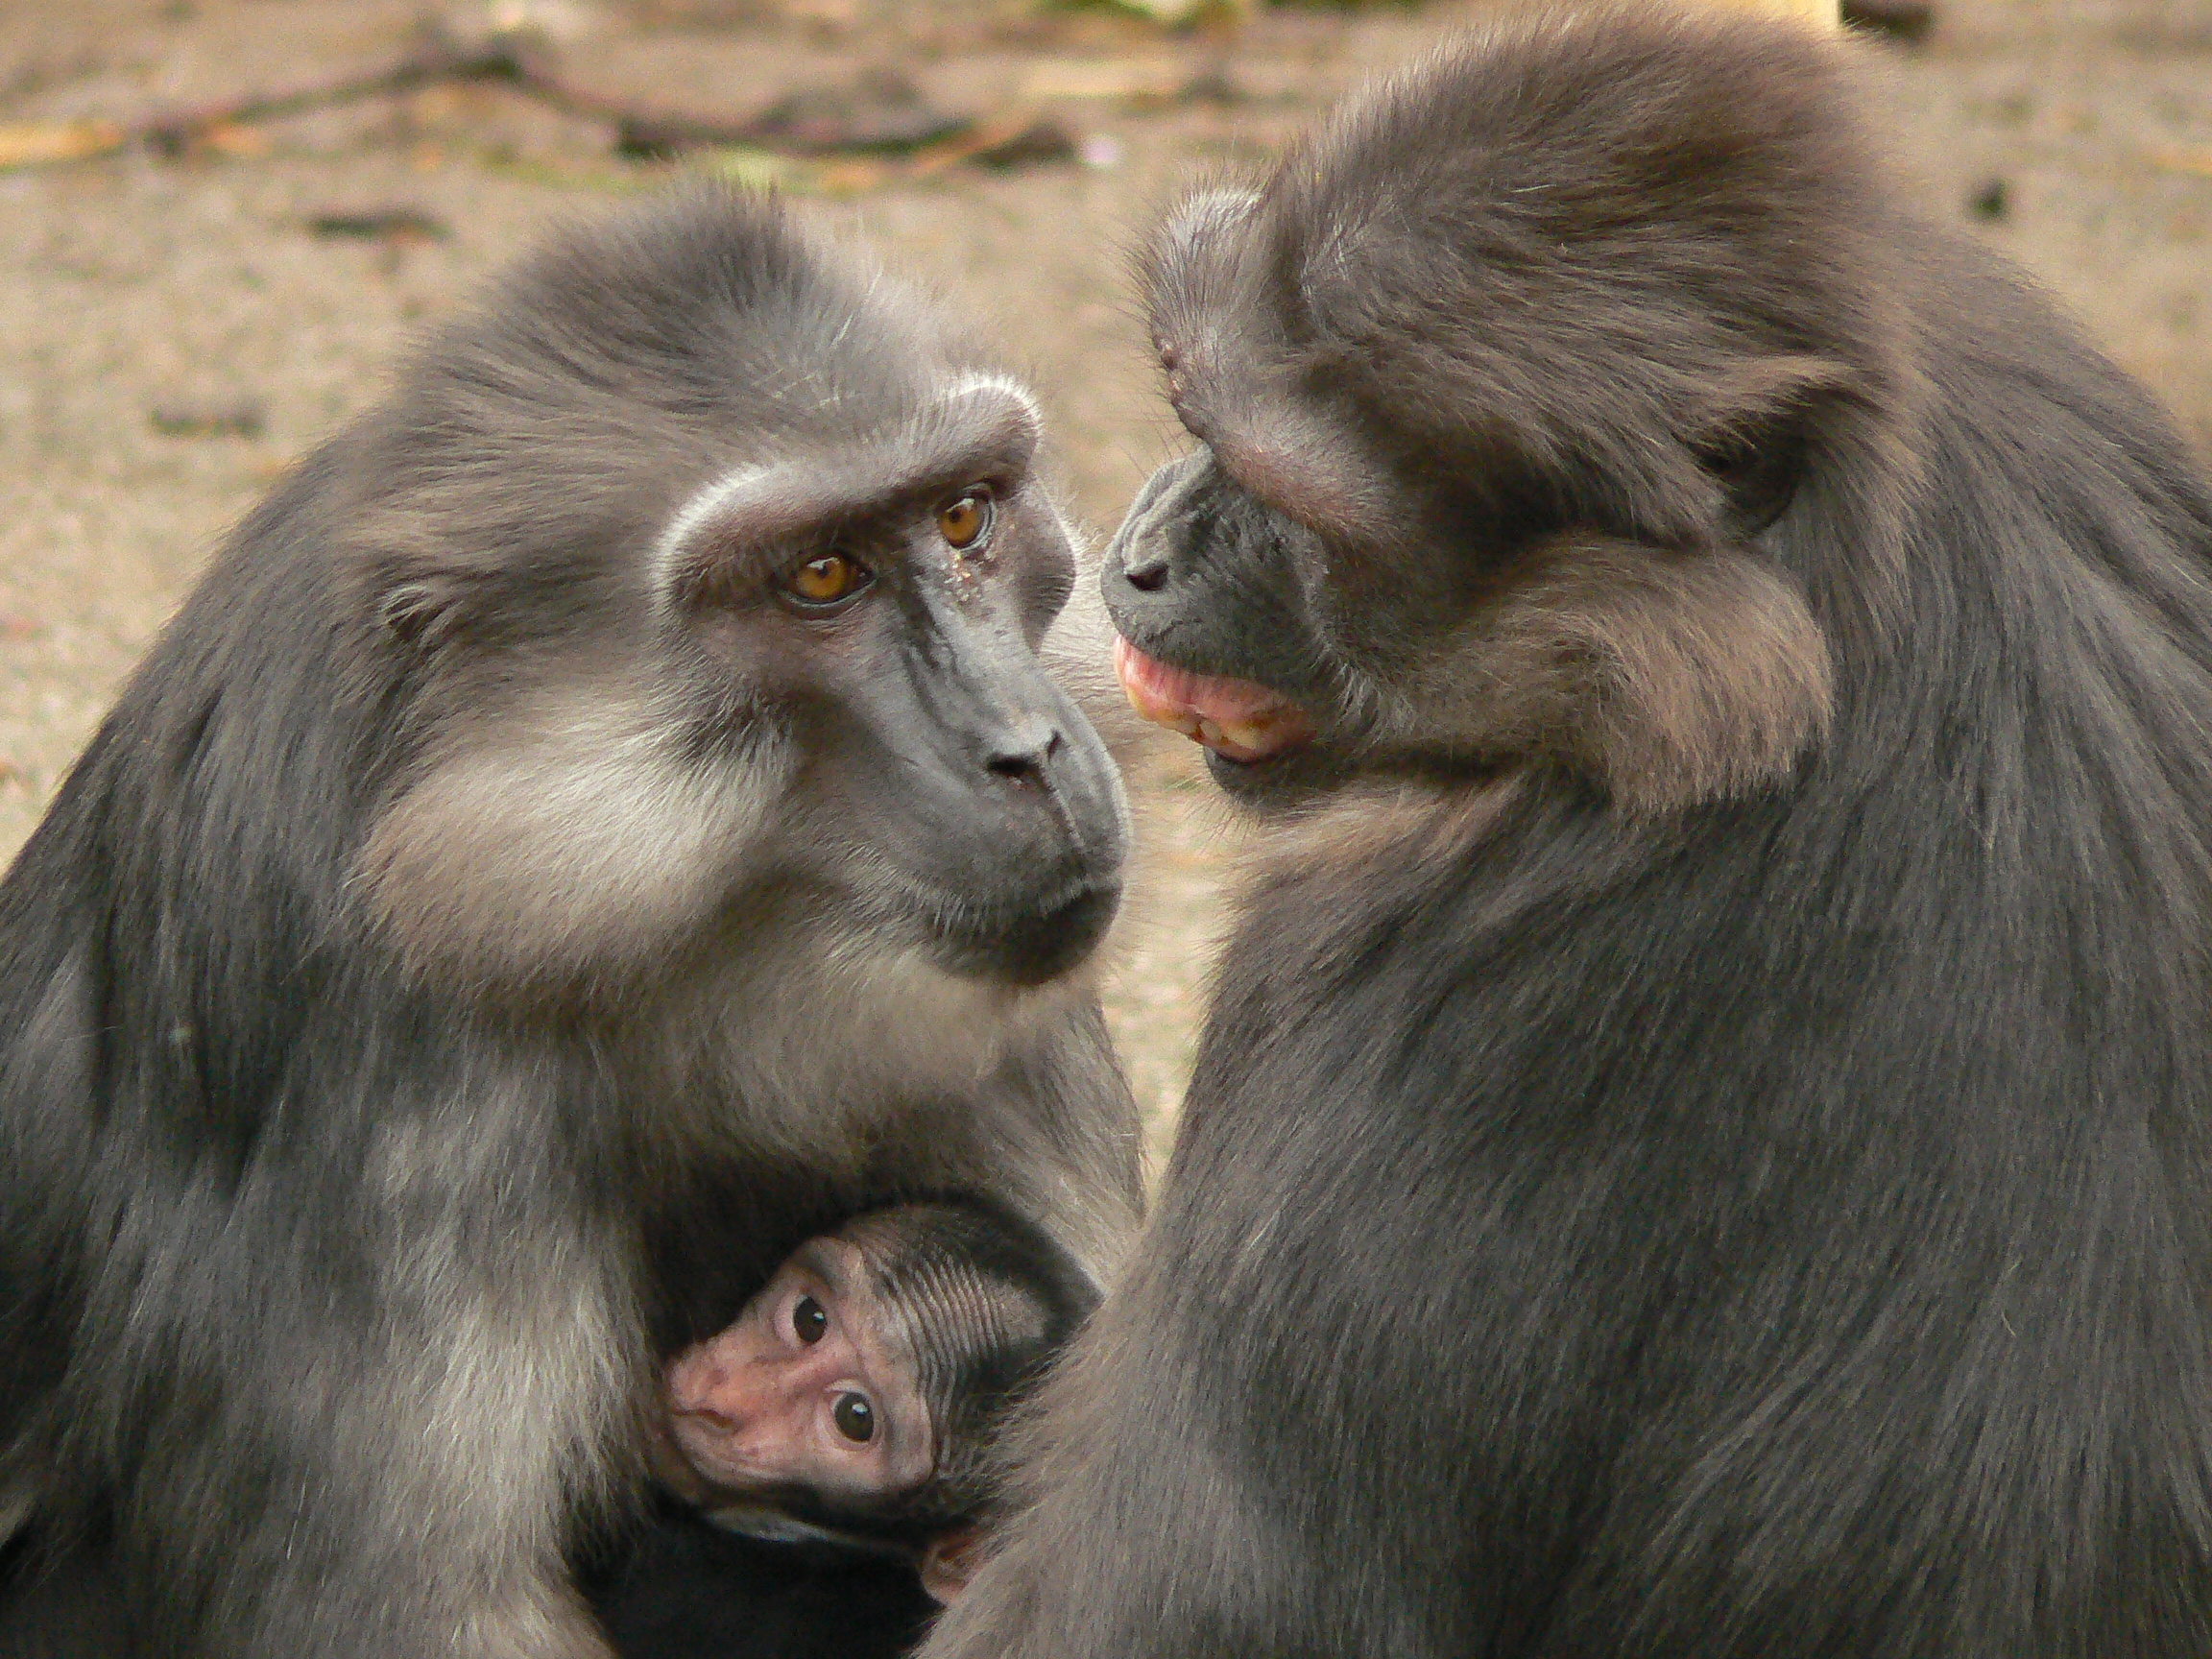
[{"x": 949, "y": 1560}]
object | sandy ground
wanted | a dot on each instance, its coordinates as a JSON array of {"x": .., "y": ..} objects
[{"x": 132, "y": 286}]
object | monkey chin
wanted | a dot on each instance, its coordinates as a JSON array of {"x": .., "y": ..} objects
[{"x": 1031, "y": 950}]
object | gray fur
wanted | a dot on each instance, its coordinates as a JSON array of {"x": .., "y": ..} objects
[
  {"x": 1702, "y": 1142},
  {"x": 473, "y": 953}
]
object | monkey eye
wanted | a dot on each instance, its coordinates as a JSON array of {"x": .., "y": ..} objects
[
  {"x": 808, "y": 1321},
  {"x": 964, "y": 521},
  {"x": 855, "y": 1417},
  {"x": 827, "y": 580}
]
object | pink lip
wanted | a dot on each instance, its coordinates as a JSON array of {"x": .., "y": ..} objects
[{"x": 1235, "y": 718}]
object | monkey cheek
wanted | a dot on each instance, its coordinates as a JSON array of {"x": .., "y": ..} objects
[{"x": 703, "y": 1453}]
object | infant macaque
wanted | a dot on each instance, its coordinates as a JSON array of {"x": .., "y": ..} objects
[{"x": 860, "y": 1393}]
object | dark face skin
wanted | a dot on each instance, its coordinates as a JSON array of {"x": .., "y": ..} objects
[
  {"x": 953, "y": 788},
  {"x": 1216, "y": 638},
  {"x": 812, "y": 1388}
]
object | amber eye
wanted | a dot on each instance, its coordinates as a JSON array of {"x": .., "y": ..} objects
[
  {"x": 807, "y": 1320},
  {"x": 962, "y": 523},
  {"x": 825, "y": 580},
  {"x": 855, "y": 1417}
]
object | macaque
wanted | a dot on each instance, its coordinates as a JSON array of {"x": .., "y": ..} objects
[
  {"x": 848, "y": 1418},
  {"x": 406, "y": 1005}
]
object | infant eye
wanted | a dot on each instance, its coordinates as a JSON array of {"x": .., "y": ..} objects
[
  {"x": 963, "y": 522},
  {"x": 825, "y": 581},
  {"x": 855, "y": 1417},
  {"x": 807, "y": 1320}
]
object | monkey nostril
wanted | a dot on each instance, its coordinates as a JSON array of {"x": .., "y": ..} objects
[
  {"x": 1025, "y": 766},
  {"x": 1148, "y": 577}
]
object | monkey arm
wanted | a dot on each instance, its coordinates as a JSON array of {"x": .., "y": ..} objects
[{"x": 394, "y": 1347}]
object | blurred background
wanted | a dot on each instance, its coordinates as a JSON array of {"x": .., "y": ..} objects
[{"x": 221, "y": 220}]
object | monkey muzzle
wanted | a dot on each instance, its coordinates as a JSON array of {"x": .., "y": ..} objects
[{"x": 1237, "y": 719}]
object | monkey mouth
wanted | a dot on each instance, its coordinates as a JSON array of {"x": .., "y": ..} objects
[{"x": 1235, "y": 719}]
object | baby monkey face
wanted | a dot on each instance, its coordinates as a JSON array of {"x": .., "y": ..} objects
[{"x": 814, "y": 1387}]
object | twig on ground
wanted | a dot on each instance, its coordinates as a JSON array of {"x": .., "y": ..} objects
[{"x": 882, "y": 117}]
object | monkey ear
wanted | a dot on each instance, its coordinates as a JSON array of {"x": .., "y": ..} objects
[
  {"x": 949, "y": 1560},
  {"x": 1754, "y": 433},
  {"x": 412, "y": 612},
  {"x": 419, "y": 600}
]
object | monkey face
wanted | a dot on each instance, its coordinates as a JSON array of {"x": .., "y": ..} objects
[
  {"x": 811, "y": 1391},
  {"x": 721, "y": 639},
  {"x": 1503, "y": 428},
  {"x": 951, "y": 791}
]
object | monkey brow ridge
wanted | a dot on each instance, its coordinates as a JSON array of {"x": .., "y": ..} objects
[{"x": 984, "y": 428}]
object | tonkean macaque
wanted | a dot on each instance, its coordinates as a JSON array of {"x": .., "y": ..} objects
[{"x": 861, "y": 1391}]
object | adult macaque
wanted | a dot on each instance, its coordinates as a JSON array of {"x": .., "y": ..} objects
[
  {"x": 600, "y": 822},
  {"x": 1703, "y": 1141}
]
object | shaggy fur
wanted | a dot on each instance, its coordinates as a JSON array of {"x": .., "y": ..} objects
[
  {"x": 493, "y": 929},
  {"x": 1717, "y": 1161}
]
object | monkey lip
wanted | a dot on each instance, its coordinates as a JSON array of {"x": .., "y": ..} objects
[{"x": 1236, "y": 719}]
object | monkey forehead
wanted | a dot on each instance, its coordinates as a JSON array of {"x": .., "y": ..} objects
[
  {"x": 1236, "y": 377},
  {"x": 938, "y": 1275},
  {"x": 1239, "y": 392},
  {"x": 879, "y": 1322},
  {"x": 1676, "y": 240},
  {"x": 1200, "y": 260},
  {"x": 625, "y": 364},
  {"x": 982, "y": 428},
  {"x": 1204, "y": 279}
]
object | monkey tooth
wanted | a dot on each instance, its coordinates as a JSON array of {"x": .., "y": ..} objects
[{"x": 1235, "y": 718}]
